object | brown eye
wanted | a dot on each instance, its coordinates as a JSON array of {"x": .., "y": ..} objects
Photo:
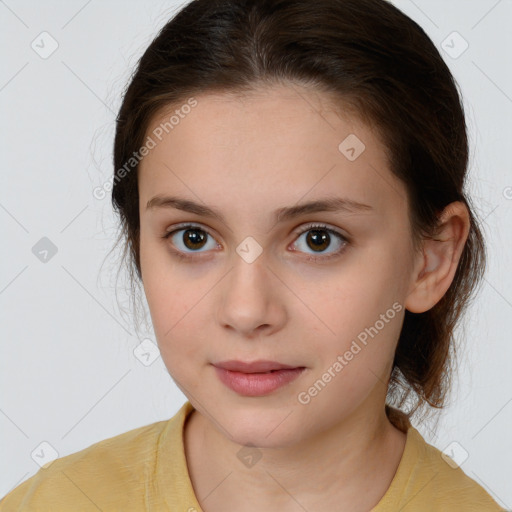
[
  {"x": 190, "y": 239},
  {"x": 318, "y": 239},
  {"x": 194, "y": 239}
]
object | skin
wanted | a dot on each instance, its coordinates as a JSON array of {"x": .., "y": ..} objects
[{"x": 248, "y": 156}]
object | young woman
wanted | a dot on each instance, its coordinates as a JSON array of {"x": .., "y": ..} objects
[{"x": 290, "y": 179}]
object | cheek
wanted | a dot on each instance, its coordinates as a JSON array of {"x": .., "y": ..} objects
[
  {"x": 176, "y": 317},
  {"x": 363, "y": 309},
  {"x": 176, "y": 313},
  {"x": 357, "y": 360},
  {"x": 173, "y": 300},
  {"x": 354, "y": 298}
]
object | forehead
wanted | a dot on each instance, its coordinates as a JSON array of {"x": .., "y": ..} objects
[{"x": 266, "y": 149}]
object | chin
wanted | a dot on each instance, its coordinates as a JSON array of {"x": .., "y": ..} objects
[{"x": 273, "y": 428}]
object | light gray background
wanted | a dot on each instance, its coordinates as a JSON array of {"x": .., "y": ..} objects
[{"x": 69, "y": 376}]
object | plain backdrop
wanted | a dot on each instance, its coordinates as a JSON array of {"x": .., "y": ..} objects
[{"x": 69, "y": 370}]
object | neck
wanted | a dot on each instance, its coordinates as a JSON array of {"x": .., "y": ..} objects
[{"x": 332, "y": 468}]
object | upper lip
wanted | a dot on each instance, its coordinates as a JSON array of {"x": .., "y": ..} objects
[{"x": 252, "y": 367}]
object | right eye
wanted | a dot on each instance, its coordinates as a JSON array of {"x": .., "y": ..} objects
[{"x": 190, "y": 237}]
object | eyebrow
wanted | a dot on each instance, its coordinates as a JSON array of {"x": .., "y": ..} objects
[{"x": 328, "y": 204}]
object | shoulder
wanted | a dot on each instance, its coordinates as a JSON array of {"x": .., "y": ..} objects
[
  {"x": 109, "y": 472},
  {"x": 428, "y": 480}
]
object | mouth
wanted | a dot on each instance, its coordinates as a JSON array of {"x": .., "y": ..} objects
[
  {"x": 256, "y": 378},
  {"x": 254, "y": 367}
]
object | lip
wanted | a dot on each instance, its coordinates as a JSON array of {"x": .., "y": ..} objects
[
  {"x": 256, "y": 378},
  {"x": 259, "y": 366}
]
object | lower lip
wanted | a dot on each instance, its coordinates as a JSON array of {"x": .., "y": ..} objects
[{"x": 257, "y": 384}]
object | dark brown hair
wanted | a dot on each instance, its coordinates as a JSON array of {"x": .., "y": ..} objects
[{"x": 374, "y": 59}]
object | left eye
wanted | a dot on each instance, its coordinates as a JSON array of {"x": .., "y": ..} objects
[{"x": 319, "y": 237}]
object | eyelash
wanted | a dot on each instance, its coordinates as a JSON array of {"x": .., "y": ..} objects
[{"x": 310, "y": 227}]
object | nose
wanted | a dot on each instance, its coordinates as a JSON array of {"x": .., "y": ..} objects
[{"x": 250, "y": 300}]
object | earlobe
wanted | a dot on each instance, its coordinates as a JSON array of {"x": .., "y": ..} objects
[{"x": 439, "y": 259}]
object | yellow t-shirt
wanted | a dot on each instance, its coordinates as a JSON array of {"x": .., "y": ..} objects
[{"x": 145, "y": 470}]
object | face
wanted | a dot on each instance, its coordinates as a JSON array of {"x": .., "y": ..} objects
[{"x": 317, "y": 289}]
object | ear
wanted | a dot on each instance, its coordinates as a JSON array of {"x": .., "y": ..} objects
[{"x": 437, "y": 263}]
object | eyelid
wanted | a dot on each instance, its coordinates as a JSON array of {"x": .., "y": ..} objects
[
  {"x": 320, "y": 225},
  {"x": 186, "y": 225}
]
